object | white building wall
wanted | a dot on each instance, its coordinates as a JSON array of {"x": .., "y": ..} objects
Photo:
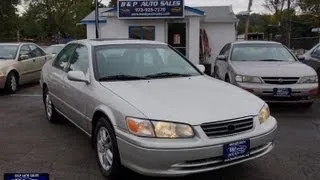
[
  {"x": 194, "y": 39},
  {"x": 91, "y": 31},
  {"x": 219, "y": 34}
]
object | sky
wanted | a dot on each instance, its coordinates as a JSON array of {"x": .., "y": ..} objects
[{"x": 237, "y": 5}]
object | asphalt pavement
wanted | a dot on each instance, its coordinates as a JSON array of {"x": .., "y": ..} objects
[{"x": 28, "y": 143}]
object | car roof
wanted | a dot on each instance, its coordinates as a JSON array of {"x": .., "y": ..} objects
[
  {"x": 98, "y": 42},
  {"x": 256, "y": 42},
  {"x": 16, "y": 43}
]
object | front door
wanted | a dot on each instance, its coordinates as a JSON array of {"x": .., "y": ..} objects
[{"x": 177, "y": 37}]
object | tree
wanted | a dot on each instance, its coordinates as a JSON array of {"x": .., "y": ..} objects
[
  {"x": 8, "y": 18},
  {"x": 112, "y": 3},
  {"x": 311, "y": 7},
  {"x": 50, "y": 18}
]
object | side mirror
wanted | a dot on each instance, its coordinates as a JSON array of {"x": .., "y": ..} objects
[
  {"x": 301, "y": 57},
  {"x": 77, "y": 76},
  {"x": 23, "y": 57},
  {"x": 222, "y": 57},
  {"x": 201, "y": 67}
]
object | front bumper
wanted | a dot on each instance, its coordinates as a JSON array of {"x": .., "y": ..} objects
[
  {"x": 300, "y": 93},
  {"x": 178, "y": 157},
  {"x": 2, "y": 81}
]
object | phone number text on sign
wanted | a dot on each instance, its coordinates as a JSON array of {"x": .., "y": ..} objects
[{"x": 150, "y": 9}]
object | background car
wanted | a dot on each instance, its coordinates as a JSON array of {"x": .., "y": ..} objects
[
  {"x": 148, "y": 108},
  {"x": 54, "y": 49},
  {"x": 20, "y": 63},
  {"x": 312, "y": 58},
  {"x": 269, "y": 70}
]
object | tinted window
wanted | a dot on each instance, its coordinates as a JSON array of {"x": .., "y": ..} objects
[
  {"x": 260, "y": 52},
  {"x": 35, "y": 51},
  {"x": 225, "y": 50},
  {"x": 316, "y": 52},
  {"x": 8, "y": 51},
  {"x": 140, "y": 60},
  {"x": 25, "y": 50},
  {"x": 63, "y": 57},
  {"x": 80, "y": 59}
]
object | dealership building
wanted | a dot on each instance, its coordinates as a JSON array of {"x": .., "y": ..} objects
[{"x": 197, "y": 32}]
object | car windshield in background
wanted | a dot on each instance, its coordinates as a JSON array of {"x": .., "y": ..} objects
[
  {"x": 260, "y": 52},
  {"x": 8, "y": 52},
  {"x": 54, "y": 49},
  {"x": 134, "y": 62}
]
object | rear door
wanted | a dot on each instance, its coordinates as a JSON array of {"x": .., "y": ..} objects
[
  {"x": 57, "y": 77},
  {"x": 39, "y": 58}
]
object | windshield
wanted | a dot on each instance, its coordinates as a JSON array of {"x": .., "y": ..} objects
[
  {"x": 132, "y": 62},
  {"x": 8, "y": 51},
  {"x": 54, "y": 49},
  {"x": 260, "y": 52}
]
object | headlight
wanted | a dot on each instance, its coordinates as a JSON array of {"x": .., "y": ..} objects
[
  {"x": 159, "y": 129},
  {"x": 248, "y": 79},
  {"x": 264, "y": 113},
  {"x": 308, "y": 79}
]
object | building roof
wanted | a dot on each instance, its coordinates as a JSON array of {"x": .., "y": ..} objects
[
  {"x": 90, "y": 18},
  {"x": 218, "y": 13}
]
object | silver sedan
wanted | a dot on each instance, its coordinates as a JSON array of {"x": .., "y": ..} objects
[{"x": 148, "y": 108}]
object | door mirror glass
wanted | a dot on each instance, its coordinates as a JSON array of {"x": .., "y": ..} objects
[
  {"x": 23, "y": 57},
  {"x": 77, "y": 76},
  {"x": 301, "y": 57},
  {"x": 222, "y": 57},
  {"x": 201, "y": 67}
]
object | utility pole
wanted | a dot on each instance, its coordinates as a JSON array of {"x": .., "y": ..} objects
[
  {"x": 97, "y": 18},
  {"x": 248, "y": 20},
  {"x": 289, "y": 24}
]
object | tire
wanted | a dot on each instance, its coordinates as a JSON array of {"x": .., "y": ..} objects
[
  {"x": 11, "y": 85},
  {"x": 51, "y": 113},
  {"x": 227, "y": 79},
  {"x": 106, "y": 149}
]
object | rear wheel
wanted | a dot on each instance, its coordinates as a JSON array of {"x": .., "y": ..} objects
[
  {"x": 11, "y": 83},
  {"x": 51, "y": 113},
  {"x": 106, "y": 148}
]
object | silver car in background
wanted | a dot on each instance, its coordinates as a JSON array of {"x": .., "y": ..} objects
[
  {"x": 148, "y": 108},
  {"x": 268, "y": 70}
]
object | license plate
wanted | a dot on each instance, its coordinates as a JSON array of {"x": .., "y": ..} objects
[
  {"x": 236, "y": 150},
  {"x": 282, "y": 92}
]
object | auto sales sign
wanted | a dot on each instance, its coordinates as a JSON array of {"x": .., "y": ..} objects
[{"x": 148, "y": 9}]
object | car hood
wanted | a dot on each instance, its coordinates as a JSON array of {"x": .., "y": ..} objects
[
  {"x": 193, "y": 100},
  {"x": 272, "y": 69},
  {"x": 5, "y": 63}
]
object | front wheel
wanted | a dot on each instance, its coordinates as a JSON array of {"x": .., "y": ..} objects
[
  {"x": 11, "y": 83},
  {"x": 51, "y": 113},
  {"x": 106, "y": 148}
]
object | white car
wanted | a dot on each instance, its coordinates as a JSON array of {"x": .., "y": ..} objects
[
  {"x": 148, "y": 108},
  {"x": 20, "y": 63}
]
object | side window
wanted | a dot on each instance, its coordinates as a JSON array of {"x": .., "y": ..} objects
[
  {"x": 316, "y": 52},
  {"x": 227, "y": 52},
  {"x": 25, "y": 50},
  {"x": 63, "y": 57},
  {"x": 225, "y": 49},
  {"x": 80, "y": 59},
  {"x": 35, "y": 51}
]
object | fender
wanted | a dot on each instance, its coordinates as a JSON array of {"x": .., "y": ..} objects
[{"x": 107, "y": 111}]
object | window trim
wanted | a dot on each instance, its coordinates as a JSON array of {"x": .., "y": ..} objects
[{"x": 142, "y": 32}]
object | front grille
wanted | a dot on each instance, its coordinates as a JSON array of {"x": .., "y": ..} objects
[
  {"x": 280, "y": 80},
  {"x": 227, "y": 127}
]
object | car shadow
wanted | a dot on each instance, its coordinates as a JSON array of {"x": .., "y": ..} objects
[{"x": 26, "y": 88}]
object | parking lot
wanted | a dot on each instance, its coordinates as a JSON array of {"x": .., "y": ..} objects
[{"x": 28, "y": 143}]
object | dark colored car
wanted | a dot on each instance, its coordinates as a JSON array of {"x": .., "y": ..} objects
[{"x": 312, "y": 58}]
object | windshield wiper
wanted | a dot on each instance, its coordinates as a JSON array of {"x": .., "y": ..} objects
[
  {"x": 271, "y": 60},
  {"x": 121, "y": 77},
  {"x": 167, "y": 74}
]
